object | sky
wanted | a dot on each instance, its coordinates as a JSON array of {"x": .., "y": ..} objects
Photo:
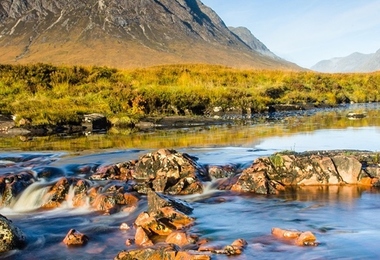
[{"x": 306, "y": 31}]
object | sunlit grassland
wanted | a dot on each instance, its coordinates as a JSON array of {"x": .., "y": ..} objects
[{"x": 47, "y": 94}]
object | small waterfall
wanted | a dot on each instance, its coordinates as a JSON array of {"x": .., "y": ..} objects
[
  {"x": 209, "y": 189},
  {"x": 69, "y": 202},
  {"x": 31, "y": 198}
]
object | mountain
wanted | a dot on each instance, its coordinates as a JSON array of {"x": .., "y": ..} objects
[
  {"x": 122, "y": 33},
  {"x": 356, "y": 62},
  {"x": 248, "y": 38}
]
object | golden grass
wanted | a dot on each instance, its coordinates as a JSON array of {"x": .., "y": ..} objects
[{"x": 48, "y": 94}]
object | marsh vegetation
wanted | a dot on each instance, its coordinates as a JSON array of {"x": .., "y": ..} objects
[{"x": 47, "y": 94}]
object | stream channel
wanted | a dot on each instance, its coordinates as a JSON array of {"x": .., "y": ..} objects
[{"x": 345, "y": 219}]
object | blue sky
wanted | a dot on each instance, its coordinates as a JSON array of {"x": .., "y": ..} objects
[{"x": 307, "y": 31}]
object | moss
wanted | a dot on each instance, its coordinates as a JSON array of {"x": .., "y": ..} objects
[{"x": 277, "y": 160}]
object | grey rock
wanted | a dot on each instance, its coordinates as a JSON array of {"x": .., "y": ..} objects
[{"x": 11, "y": 236}]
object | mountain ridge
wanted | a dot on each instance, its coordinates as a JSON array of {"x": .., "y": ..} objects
[
  {"x": 122, "y": 34},
  {"x": 355, "y": 62}
]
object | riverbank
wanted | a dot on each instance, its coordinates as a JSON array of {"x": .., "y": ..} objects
[{"x": 42, "y": 95}]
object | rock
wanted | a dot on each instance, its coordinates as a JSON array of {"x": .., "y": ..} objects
[
  {"x": 348, "y": 168},
  {"x": 356, "y": 115},
  {"x": 114, "y": 199},
  {"x": 162, "y": 251},
  {"x": 180, "y": 238},
  {"x": 142, "y": 237},
  {"x": 74, "y": 238},
  {"x": 154, "y": 225},
  {"x": 298, "y": 238},
  {"x": 256, "y": 181},
  {"x": 57, "y": 193},
  {"x": 11, "y": 236},
  {"x": 162, "y": 218},
  {"x": 306, "y": 239},
  {"x": 107, "y": 172},
  {"x": 156, "y": 202},
  {"x": 12, "y": 184},
  {"x": 236, "y": 248},
  {"x": 95, "y": 122},
  {"x": 121, "y": 171},
  {"x": 80, "y": 197},
  {"x": 270, "y": 175},
  {"x": 170, "y": 172},
  {"x": 219, "y": 172},
  {"x": 124, "y": 226}
]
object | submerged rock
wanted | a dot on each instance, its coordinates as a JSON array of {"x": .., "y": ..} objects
[
  {"x": 299, "y": 238},
  {"x": 11, "y": 236}
]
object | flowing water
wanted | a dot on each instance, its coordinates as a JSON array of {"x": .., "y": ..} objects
[{"x": 344, "y": 219}]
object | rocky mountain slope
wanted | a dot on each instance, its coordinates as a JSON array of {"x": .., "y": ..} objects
[
  {"x": 122, "y": 34},
  {"x": 248, "y": 38},
  {"x": 356, "y": 62}
]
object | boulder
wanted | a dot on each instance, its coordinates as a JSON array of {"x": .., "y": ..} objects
[
  {"x": 75, "y": 238},
  {"x": 11, "y": 236},
  {"x": 170, "y": 172},
  {"x": 348, "y": 168},
  {"x": 95, "y": 122},
  {"x": 165, "y": 216},
  {"x": 113, "y": 198},
  {"x": 270, "y": 175}
]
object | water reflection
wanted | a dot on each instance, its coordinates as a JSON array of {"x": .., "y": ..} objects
[{"x": 243, "y": 133}]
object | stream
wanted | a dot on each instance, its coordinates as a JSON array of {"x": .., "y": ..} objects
[{"x": 343, "y": 218}]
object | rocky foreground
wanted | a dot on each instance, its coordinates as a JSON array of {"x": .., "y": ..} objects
[{"x": 162, "y": 232}]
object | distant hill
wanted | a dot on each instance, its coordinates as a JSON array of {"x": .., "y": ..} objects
[
  {"x": 123, "y": 34},
  {"x": 356, "y": 62}
]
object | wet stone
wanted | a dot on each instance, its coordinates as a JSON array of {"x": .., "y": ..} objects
[
  {"x": 75, "y": 238},
  {"x": 11, "y": 237}
]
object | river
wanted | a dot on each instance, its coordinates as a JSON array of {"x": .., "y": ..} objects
[{"x": 344, "y": 219}]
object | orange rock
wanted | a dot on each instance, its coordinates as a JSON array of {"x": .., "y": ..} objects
[
  {"x": 74, "y": 238},
  {"x": 300, "y": 238},
  {"x": 177, "y": 218},
  {"x": 142, "y": 238},
  {"x": 283, "y": 233},
  {"x": 179, "y": 238},
  {"x": 366, "y": 181},
  {"x": 239, "y": 243},
  {"x": 306, "y": 239}
]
